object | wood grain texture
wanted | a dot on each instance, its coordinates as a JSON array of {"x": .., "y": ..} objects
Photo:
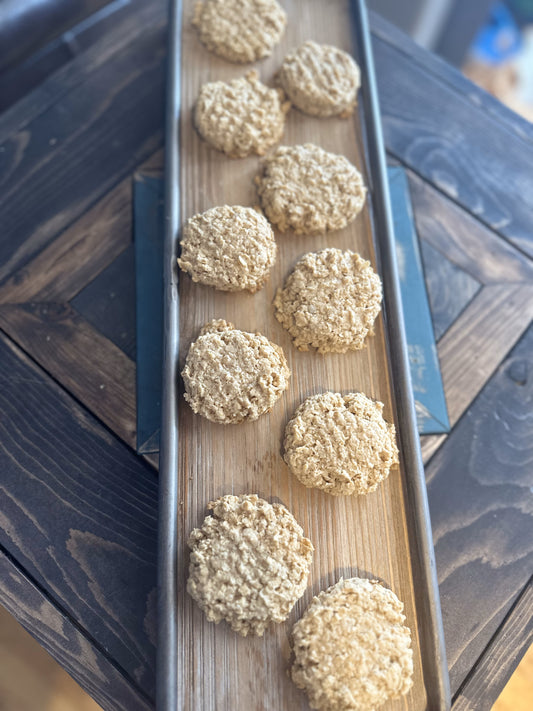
[
  {"x": 449, "y": 288},
  {"x": 92, "y": 368},
  {"x": 366, "y": 536},
  {"x": 469, "y": 156},
  {"x": 78, "y": 255},
  {"x": 108, "y": 302},
  {"x": 488, "y": 328},
  {"x": 66, "y": 642},
  {"x": 79, "y": 515},
  {"x": 51, "y": 172},
  {"x": 486, "y": 681},
  {"x": 479, "y": 489},
  {"x": 463, "y": 239},
  {"x": 139, "y": 15}
]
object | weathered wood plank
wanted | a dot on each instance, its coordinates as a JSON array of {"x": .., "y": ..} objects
[
  {"x": 139, "y": 16},
  {"x": 449, "y": 288},
  {"x": 435, "y": 130},
  {"x": 482, "y": 510},
  {"x": 108, "y": 302},
  {"x": 78, "y": 255},
  {"x": 501, "y": 657},
  {"x": 66, "y": 642},
  {"x": 466, "y": 242},
  {"x": 444, "y": 72},
  {"x": 53, "y": 169},
  {"x": 474, "y": 346},
  {"x": 91, "y": 367},
  {"x": 79, "y": 515}
]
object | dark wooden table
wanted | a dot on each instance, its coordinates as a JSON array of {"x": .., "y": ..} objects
[{"x": 78, "y": 509}]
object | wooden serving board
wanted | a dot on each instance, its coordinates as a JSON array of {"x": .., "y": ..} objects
[{"x": 363, "y": 536}]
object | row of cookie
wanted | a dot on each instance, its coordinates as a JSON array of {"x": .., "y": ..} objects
[
  {"x": 340, "y": 444},
  {"x": 244, "y": 116},
  {"x": 249, "y": 564}
]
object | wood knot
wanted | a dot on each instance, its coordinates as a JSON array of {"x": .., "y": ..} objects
[{"x": 517, "y": 372}]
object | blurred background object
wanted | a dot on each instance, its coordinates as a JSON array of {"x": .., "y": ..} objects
[{"x": 491, "y": 41}]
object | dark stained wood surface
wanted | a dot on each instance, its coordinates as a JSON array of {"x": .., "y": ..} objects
[
  {"x": 78, "y": 507},
  {"x": 79, "y": 515}
]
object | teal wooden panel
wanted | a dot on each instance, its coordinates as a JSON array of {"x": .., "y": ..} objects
[{"x": 431, "y": 411}]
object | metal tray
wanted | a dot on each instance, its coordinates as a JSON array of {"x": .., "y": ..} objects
[{"x": 172, "y": 658}]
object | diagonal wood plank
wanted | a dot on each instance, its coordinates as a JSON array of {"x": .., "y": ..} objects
[
  {"x": 474, "y": 346},
  {"x": 487, "y": 679},
  {"x": 79, "y": 516},
  {"x": 479, "y": 492},
  {"x": 50, "y": 172},
  {"x": 463, "y": 239},
  {"x": 66, "y": 643},
  {"x": 75, "y": 258},
  {"x": 480, "y": 338},
  {"x": 92, "y": 368},
  {"x": 432, "y": 128}
]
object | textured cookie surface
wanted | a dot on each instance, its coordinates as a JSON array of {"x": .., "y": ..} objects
[
  {"x": 306, "y": 189},
  {"x": 340, "y": 444},
  {"x": 321, "y": 80},
  {"x": 230, "y": 248},
  {"x": 249, "y": 563},
  {"x": 239, "y": 30},
  {"x": 232, "y": 375},
  {"x": 329, "y": 301},
  {"x": 241, "y": 117},
  {"x": 352, "y": 649}
]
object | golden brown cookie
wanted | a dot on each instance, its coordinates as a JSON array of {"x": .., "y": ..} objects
[
  {"x": 308, "y": 190},
  {"x": 241, "y": 117},
  {"x": 329, "y": 301},
  {"x": 249, "y": 563},
  {"x": 352, "y": 649},
  {"x": 232, "y": 375},
  {"x": 239, "y": 30},
  {"x": 340, "y": 444},
  {"x": 230, "y": 248},
  {"x": 321, "y": 80}
]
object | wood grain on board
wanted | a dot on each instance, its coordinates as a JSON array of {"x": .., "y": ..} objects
[
  {"x": 491, "y": 673},
  {"x": 50, "y": 174},
  {"x": 79, "y": 515},
  {"x": 479, "y": 490},
  {"x": 352, "y": 535}
]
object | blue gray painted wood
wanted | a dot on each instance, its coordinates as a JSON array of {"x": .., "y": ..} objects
[
  {"x": 148, "y": 237},
  {"x": 431, "y": 412}
]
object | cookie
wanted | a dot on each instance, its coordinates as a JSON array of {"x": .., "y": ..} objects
[
  {"x": 249, "y": 563},
  {"x": 308, "y": 190},
  {"x": 241, "y": 117},
  {"x": 231, "y": 375},
  {"x": 352, "y": 649},
  {"x": 320, "y": 80},
  {"x": 329, "y": 301},
  {"x": 230, "y": 248},
  {"x": 340, "y": 444},
  {"x": 239, "y": 30}
]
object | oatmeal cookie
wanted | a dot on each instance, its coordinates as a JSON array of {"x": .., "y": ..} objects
[
  {"x": 321, "y": 80},
  {"x": 231, "y": 375},
  {"x": 340, "y": 444},
  {"x": 329, "y": 301},
  {"x": 308, "y": 190},
  {"x": 241, "y": 117},
  {"x": 249, "y": 563},
  {"x": 352, "y": 648},
  {"x": 239, "y": 30},
  {"x": 229, "y": 248}
]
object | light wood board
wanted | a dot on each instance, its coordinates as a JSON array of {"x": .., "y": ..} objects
[{"x": 365, "y": 536}]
